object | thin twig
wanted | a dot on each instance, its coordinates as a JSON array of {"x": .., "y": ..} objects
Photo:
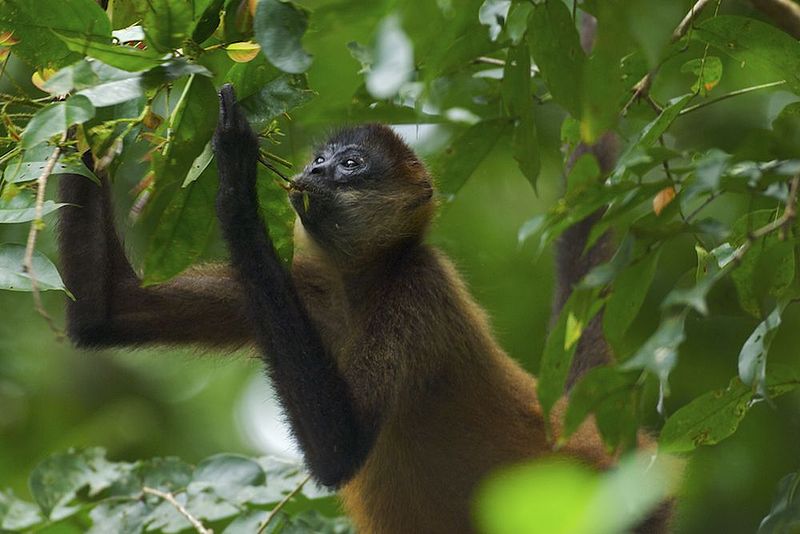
[
  {"x": 499, "y": 63},
  {"x": 170, "y": 498},
  {"x": 27, "y": 262},
  {"x": 782, "y": 223},
  {"x": 281, "y": 504},
  {"x": 738, "y": 92},
  {"x": 690, "y": 17},
  {"x": 642, "y": 87}
]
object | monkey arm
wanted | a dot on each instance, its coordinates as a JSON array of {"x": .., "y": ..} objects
[
  {"x": 316, "y": 398},
  {"x": 111, "y": 308}
]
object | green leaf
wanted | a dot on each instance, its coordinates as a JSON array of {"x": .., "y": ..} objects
[
  {"x": 13, "y": 278},
  {"x": 56, "y": 481},
  {"x": 650, "y": 134},
  {"x": 628, "y": 294},
  {"x": 16, "y": 514},
  {"x": 767, "y": 269},
  {"x": 753, "y": 43},
  {"x": 564, "y": 497},
  {"x": 557, "y": 50},
  {"x": 278, "y": 28},
  {"x": 56, "y": 118},
  {"x": 659, "y": 353},
  {"x": 650, "y": 23},
  {"x": 123, "y": 57},
  {"x": 126, "y": 517},
  {"x": 519, "y": 102},
  {"x": 167, "y": 23},
  {"x": 278, "y": 96},
  {"x": 784, "y": 516},
  {"x": 199, "y": 165},
  {"x": 191, "y": 125},
  {"x": 22, "y": 208},
  {"x": 34, "y": 24},
  {"x": 22, "y": 169},
  {"x": 208, "y": 21},
  {"x": 601, "y": 102},
  {"x": 455, "y": 164},
  {"x": 707, "y": 73},
  {"x": 393, "y": 60},
  {"x": 582, "y": 306},
  {"x": 585, "y": 172},
  {"x": 608, "y": 393},
  {"x": 753, "y": 356},
  {"x": 183, "y": 230},
  {"x": 229, "y": 469}
]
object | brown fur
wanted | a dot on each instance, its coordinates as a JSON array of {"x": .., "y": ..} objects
[{"x": 415, "y": 351}]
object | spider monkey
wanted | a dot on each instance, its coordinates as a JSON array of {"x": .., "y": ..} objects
[{"x": 394, "y": 386}]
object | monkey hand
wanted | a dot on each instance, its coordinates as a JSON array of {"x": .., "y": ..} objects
[
  {"x": 236, "y": 151},
  {"x": 235, "y": 145}
]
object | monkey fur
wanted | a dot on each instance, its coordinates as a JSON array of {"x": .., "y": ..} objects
[{"x": 395, "y": 388}]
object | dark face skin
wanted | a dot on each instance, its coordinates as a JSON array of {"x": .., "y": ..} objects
[{"x": 357, "y": 192}]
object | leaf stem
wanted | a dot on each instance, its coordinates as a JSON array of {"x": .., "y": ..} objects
[
  {"x": 27, "y": 262},
  {"x": 738, "y": 92},
  {"x": 281, "y": 504},
  {"x": 170, "y": 498}
]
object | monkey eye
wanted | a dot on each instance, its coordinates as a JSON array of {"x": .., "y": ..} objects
[
  {"x": 351, "y": 163},
  {"x": 319, "y": 160}
]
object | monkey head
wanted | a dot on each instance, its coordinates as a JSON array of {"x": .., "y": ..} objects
[{"x": 364, "y": 193}]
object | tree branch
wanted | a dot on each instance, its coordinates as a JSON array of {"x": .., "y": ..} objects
[
  {"x": 281, "y": 504},
  {"x": 642, "y": 87},
  {"x": 36, "y": 225},
  {"x": 170, "y": 498},
  {"x": 784, "y": 13}
]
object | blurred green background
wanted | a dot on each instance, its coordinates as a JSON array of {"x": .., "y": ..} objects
[{"x": 193, "y": 403}]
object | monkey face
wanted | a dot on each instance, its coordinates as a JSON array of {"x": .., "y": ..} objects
[{"x": 363, "y": 191}]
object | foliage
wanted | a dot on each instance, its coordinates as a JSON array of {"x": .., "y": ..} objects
[
  {"x": 81, "y": 491},
  {"x": 139, "y": 84}
]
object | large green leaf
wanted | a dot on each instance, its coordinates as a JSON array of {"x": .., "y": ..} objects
[
  {"x": 191, "y": 126},
  {"x": 557, "y": 50},
  {"x": 21, "y": 209},
  {"x": 275, "y": 98},
  {"x": 716, "y": 415},
  {"x": 16, "y": 514},
  {"x": 120, "y": 56},
  {"x": 628, "y": 294},
  {"x": 167, "y": 23},
  {"x": 754, "y": 44},
  {"x": 34, "y": 23},
  {"x": 183, "y": 230},
  {"x": 455, "y": 164},
  {"x": 55, "y": 119},
  {"x": 519, "y": 102},
  {"x": 279, "y": 27}
]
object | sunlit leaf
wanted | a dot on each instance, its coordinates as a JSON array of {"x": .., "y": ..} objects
[
  {"x": 753, "y": 356},
  {"x": 35, "y": 25},
  {"x": 707, "y": 73},
  {"x": 55, "y": 119},
  {"x": 393, "y": 63}
]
